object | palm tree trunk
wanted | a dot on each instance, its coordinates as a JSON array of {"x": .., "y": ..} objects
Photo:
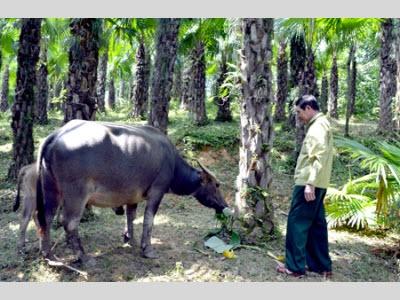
[
  {"x": 102, "y": 81},
  {"x": 198, "y": 100},
  {"x": 166, "y": 46},
  {"x": 222, "y": 97},
  {"x": 83, "y": 60},
  {"x": 22, "y": 109},
  {"x": 282, "y": 92},
  {"x": 139, "y": 108},
  {"x": 177, "y": 84},
  {"x": 186, "y": 84},
  {"x": 333, "y": 91},
  {"x": 255, "y": 174},
  {"x": 42, "y": 94},
  {"x": 351, "y": 87},
  {"x": 323, "y": 99},
  {"x": 397, "y": 53},
  {"x": 111, "y": 95},
  {"x": 385, "y": 125},
  {"x": 4, "y": 89}
]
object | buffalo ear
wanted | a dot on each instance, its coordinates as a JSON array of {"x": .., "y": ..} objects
[{"x": 204, "y": 177}]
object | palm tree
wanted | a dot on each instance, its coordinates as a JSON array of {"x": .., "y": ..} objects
[
  {"x": 42, "y": 89},
  {"x": 282, "y": 92},
  {"x": 397, "y": 55},
  {"x": 323, "y": 99},
  {"x": 4, "y": 89},
  {"x": 351, "y": 86},
  {"x": 255, "y": 173},
  {"x": 22, "y": 110},
  {"x": 201, "y": 38},
  {"x": 334, "y": 88},
  {"x": 166, "y": 46},
  {"x": 386, "y": 78},
  {"x": 83, "y": 60}
]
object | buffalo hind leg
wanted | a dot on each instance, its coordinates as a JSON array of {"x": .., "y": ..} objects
[
  {"x": 153, "y": 203},
  {"x": 26, "y": 217},
  {"x": 72, "y": 214},
  {"x": 130, "y": 217}
]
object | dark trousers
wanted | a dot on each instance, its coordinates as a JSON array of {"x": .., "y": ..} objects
[{"x": 307, "y": 233}]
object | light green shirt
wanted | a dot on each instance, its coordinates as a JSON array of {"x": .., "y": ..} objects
[{"x": 314, "y": 164}]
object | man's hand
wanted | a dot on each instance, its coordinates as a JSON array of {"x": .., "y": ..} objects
[{"x": 309, "y": 193}]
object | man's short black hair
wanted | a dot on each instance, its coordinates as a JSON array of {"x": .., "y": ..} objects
[{"x": 309, "y": 100}]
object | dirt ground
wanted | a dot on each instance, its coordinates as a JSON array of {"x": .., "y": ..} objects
[{"x": 180, "y": 225}]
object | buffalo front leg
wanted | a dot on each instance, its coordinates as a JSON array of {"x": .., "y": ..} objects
[
  {"x": 130, "y": 217},
  {"x": 151, "y": 209}
]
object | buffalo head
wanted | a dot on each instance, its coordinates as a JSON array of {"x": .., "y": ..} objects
[{"x": 209, "y": 193}]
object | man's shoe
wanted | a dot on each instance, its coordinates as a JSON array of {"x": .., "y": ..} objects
[{"x": 282, "y": 269}]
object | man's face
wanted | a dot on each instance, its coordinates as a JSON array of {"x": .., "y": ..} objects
[{"x": 305, "y": 114}]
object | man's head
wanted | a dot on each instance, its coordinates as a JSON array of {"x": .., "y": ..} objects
[{"x": 306, "y": 108}]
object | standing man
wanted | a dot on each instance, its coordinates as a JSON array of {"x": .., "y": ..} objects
[{"x": 307, "y": 233}]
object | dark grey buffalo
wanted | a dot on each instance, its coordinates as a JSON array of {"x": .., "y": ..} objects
[{"x": 110, "y": 165}]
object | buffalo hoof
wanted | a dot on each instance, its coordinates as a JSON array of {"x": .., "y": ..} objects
[{"x": 149, "y": 252}]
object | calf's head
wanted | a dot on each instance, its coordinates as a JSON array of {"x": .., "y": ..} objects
[{"x": 209, "y": 193}]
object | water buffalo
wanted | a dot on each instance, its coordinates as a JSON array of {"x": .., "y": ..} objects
[
  {"x": 26, "y": 184},
  {"x": 110, "y": 165}
]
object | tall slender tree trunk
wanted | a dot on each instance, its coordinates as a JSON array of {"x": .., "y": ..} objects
[
  {"x": 397, "y": 53},
  {"x": 198, "y": 99},
  {"x": 385, "y": 125},
  {"x": 351, "y": 86},
  {"x": 333, "y": 91},
  {"x": 177, "y": 84},
  {"x": 186, "y": 84},
  {"x": 140, "y": 99},
  {"x": 253, "y": 200},
  {"x": 102, "y": 81},
  {"x": 83, "y": 60},
  {"x": 282, "y": 92},
  {"x": 308, "y": 86},
  {"x": 166, "y": 46},
  {"x": 298, "y": 57},
  {"x": 4, "y": 89},
  {"x": 323, "y": 99},
  {"x": 111, "y": 94},
  {"x": 22, "y": 109},
  {"x": 42, "y": 88},
  {"x": 222, "y": 98}
]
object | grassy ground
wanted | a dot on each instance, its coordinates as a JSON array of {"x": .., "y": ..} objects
[{"x": 181, "y": 224}]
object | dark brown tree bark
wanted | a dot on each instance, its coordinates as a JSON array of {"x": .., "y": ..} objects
[
  {"x": 198, "y": 97},
  {"x": 22, "y": 109},
  {"x": 351, "y": 87},
  {"x": 177, "y": 84},
  {"x": 222, "y": 97},
  {"x": 323, "y": 99},
  {"x": 255, "y": 174},
  {"x": 83, "y": 60},
  {"x": 333, "y": 91},
  {"x": 186, "y": 84},
  {"x": 111, "y": 94},
  {"x": 140, "y": 100},
  {"x": 397, "y": 55},
  {"x": 385, "y": 125},
  {"x": 298, "y": 57},
  {"x": 282, "y": 79},
  {"x": 166, "y": 46},
  {"x": 42, "y": 94},
  {"x": 102, "y": 81},
  {"x": 4, "y": 89}
]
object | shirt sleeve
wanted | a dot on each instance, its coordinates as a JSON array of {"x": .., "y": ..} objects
[{"x": 316, "y": 150}]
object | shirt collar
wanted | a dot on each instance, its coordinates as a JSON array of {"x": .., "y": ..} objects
[{"x": 316, "y": 116}]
